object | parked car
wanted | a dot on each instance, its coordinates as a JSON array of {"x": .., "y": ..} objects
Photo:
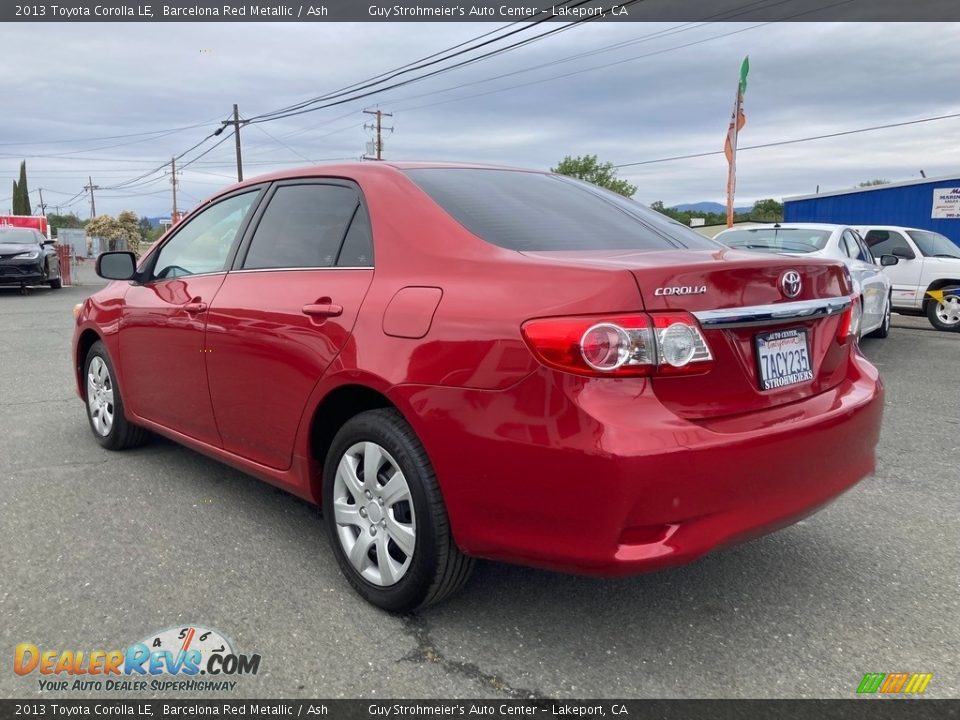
[
  {"x": 460, "y": 362},
  {"x": 830, "y": 241},
  {"x": 27, "y": 257},
  {"x": 926, "y": 281}
]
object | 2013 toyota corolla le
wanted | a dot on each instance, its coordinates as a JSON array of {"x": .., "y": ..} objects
[{"x": 459, "y": 362}]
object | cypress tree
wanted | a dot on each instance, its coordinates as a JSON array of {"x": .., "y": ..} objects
[
  {"x": 25, "y": 208},
  {"x": 15, "y": 203}
]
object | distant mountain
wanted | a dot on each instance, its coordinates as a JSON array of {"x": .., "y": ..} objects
[
  {"x": 155, "y": 221},
  {"x": 709, "y": 207}
]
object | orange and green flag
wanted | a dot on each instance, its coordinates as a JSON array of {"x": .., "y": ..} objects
[{"x": 737, "y": 121}]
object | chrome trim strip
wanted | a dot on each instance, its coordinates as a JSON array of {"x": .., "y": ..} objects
[
  {"x": 292, "y": 269},
  {"x": 771, "y": 314}
]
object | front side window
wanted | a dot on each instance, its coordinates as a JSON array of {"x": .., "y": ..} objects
[
  {"x": 531, "y": 211},
  {"x": 203, "y": 244},
  {"x": 303, "y": 226}
]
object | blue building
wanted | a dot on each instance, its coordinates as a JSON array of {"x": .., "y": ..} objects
[{"x": 928, "y": 204}]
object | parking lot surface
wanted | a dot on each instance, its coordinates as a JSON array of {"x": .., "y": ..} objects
[{"x": 103, "y": 549}]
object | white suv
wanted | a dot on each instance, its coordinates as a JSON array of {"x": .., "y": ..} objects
[{"x": 926, "y": 281}]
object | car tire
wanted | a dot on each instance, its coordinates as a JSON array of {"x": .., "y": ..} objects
[
  {"x": 56, "y": 283},
  {"x": 884, "y": 329},
  {"x": 105, "y": 405},
  {"x": 946, "y": 315},
  {"x": 393, "y": 542}
]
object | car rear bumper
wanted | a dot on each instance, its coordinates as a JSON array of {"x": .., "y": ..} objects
[{"x": 598, "y": 477}]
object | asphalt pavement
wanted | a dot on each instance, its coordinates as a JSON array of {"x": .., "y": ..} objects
[{"x": 102, "y": 549}]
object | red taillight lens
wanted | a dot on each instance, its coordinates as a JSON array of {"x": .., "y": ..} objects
[
  {"x": 850, "y": 322},
  {"x": 620, "y": 345}
]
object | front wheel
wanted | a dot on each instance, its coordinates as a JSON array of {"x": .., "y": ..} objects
[
  {"x": 385, "y": 516},
  {"x": 884, "y": 329},
  {"x": 944, "y": 314},
  {"x": 104, "y": 404}
]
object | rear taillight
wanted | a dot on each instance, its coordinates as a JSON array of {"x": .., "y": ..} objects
[
  {"x": 632, "y": 345},
  {"x": 850, "y": 322}
]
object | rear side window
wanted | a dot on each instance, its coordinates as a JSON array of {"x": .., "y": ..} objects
[
  {"x": 537, "y": 211},
  {"x": 302, "y": 227},
  {"x": 882, "y": 242},
  {"x": 357, "y": 250}
]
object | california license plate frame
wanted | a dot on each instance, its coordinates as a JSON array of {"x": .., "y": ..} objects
[{"x": 783, "y": 358}]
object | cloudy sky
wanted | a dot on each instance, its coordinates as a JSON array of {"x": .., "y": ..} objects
[{"x": 627, "y": 92}]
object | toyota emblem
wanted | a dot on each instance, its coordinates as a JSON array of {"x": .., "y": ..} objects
[{"x": 790, "y": 283}]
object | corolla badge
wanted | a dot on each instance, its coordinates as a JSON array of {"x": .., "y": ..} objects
[
  {"x": 790, "y": 283},
  {"x": 681, "y": 290}
]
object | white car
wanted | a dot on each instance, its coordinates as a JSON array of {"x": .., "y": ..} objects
[
  {"x": 838, "y": 242},
  {"x": 926, "y": 281}
]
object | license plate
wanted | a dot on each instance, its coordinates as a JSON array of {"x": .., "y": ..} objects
[{"x": 783, "y": 358}]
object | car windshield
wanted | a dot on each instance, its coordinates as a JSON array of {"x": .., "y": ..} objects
[
  {"x": 934, "y": 244},
  {"x": 774, "y": 239},
  {"x": 17, "y": 236},
  {"x": 531, "y": 211}
]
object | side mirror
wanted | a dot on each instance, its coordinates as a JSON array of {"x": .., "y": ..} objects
[
  {"x": 903, "y": 252},
  {"x": 116, "y": 265},
  {"x": 888, "y": 260},
  {"x": 49, "y": 242}
]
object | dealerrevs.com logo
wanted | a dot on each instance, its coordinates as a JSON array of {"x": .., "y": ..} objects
[{"x": 176, "y": 659}]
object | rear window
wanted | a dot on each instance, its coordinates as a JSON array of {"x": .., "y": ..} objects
[
  {"x": 537, "y": 211},
  {"x": 790, "y": 240}
]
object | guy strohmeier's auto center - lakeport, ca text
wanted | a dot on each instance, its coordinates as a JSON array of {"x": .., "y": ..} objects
[{"x": 306, "y": 11}]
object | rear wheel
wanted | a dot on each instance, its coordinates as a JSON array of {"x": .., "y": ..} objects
[
  {"x": 104, "y": 404},
  {"x": 884, "y": 329},
  {"x": 945, "y": 314},
  {"x": 385, "y": 517}
]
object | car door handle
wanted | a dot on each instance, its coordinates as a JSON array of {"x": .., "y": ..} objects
[
  {"x": 326, "y": 309},
  {"x": 195, "y": 307}
]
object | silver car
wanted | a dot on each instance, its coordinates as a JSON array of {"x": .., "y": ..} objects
[{"x": 838, "y": 242}]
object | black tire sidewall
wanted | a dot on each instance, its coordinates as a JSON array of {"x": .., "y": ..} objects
[{"x": 384, "y": 428}]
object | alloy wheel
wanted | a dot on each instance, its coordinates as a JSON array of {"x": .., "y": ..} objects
[
  {"x": 374, "y": 515},
  {"x": 948, "y": 311},
  {"x": 100, "y": 396}
]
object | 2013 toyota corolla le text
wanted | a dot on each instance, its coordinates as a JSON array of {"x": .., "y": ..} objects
[{"x": 459, "y": 362}]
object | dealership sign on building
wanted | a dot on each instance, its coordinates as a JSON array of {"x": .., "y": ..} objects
[{"x": 946, "y": 203}]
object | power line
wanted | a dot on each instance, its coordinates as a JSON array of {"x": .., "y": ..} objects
[
  {"x": 792, "y": 142},
  {"x": 407, "y": 67},
  {"x": 167, "y": 131},
  {"x": 433, "y": 73}
]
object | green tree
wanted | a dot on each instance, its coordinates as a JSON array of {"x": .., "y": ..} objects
[
  {"x": 21, "y": 194},
  {"x": 587, "y": 167},
  {"x": 768, "y": 210},
  {"x": 123, "y": 228},
  {"x": 145, "y": 227},
  {"x": 69, "y": 221},
  {"x": 871, "y": 183}
]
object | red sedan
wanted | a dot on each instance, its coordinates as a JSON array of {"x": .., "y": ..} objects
[{"x": 459, "y": 362}]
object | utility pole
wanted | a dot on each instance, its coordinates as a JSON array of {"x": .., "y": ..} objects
[
  {"x": 173, "y": 183},
  {"x": 378, "y": 128},
  {"x": 236, "y": 138},
  {"x": 43, "y": 207},
  {"x": 93, "y": 204}
]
